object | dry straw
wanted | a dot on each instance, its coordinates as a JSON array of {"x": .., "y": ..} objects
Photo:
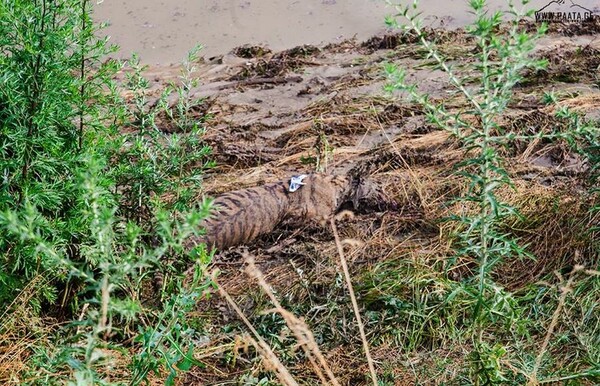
[
  {"x": 261, "y": 346},
  {"x": 299, "y": 328},
  {"x": 301, "y": 331},
  {"x": 564, "y": 292},
  {"x": 361, "y": 327}
]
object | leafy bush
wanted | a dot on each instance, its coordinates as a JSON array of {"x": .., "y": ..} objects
[
  {"x": 83, "y": 212},
  {"x": 155, "y": 166},
  {"x": 44, "y": 142}
]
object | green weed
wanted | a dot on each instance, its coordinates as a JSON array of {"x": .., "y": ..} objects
[
  {"x": 499, "y": 65},
  {"x": 90, "y": 214}
]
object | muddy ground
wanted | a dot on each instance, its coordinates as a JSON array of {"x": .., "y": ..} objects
[
  {"x": 162, "y": 32},
  {"x": 274, "y": 114}
]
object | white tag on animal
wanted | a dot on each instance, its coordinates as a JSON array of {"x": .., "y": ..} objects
[{"x": 296, "y": 182}]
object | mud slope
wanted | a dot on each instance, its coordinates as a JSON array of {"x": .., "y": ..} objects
[{"x": 278, "y": 113}]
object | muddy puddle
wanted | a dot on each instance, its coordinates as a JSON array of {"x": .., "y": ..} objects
[{"x": 162, "y": 32}]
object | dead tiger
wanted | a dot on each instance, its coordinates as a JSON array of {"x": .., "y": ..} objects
[{"x": 241, "y": 216}]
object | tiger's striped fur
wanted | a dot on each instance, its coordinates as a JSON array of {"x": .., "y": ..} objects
[{"x": 242, "y": 215}]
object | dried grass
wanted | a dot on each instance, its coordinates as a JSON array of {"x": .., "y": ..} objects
[
  {"x": 348, "y": 279},
  {"x": 565, "y": 289},
  {"x": 272, "y": 361},
  {"x": 20, "y": 332},
  {"x": 303, "y": 335},
  {"x": 555, "y": 227}
]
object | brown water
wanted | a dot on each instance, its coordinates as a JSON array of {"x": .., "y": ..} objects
[{"x": 162, "y": 31}]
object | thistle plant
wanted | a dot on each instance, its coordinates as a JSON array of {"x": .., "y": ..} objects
[
  {"x": 499, "y": 62},
  {"x": 498, "y": 65},
  {"x": 503, "y": 55}
]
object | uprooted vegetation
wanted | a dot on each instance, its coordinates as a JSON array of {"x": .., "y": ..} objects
[{"x": 433, "y": 311}]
